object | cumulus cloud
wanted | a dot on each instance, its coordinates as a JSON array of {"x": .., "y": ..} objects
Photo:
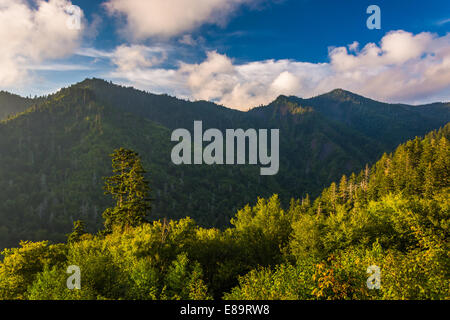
[
  {"x": 33, "y": 33},
  {"x": 128, "y": 58},
  {"x": 148, "y": 18},
  {"x": 218, "y": 79},
  {"x": 403, "y": 67},
  {"x": 245, "y": 85},
  {"x": 138, "y": 66},
  {"x": 211, "y": 78}
]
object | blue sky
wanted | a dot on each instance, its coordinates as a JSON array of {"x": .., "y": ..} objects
[{"x": 240, "y": 53}]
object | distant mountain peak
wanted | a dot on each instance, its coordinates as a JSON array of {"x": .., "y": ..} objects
[
  {"x": 340, "y": 91},
  {"x": 340, "y": 94},
  {"x": 284, "y": 105},
  {"x": 93, "y": 82},
  {"x": 281, "y": 97}
]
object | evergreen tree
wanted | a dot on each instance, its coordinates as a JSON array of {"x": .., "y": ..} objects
[
  {"x": 77, "y": 231},
  {"x": 129, "y": 189},
  {"x": 343, "y": 188}
]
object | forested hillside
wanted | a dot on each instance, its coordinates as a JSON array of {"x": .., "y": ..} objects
[
  {"x": 11, "y": 104},
  {"x": 393, "y": 215},
  {"x": 382, "y": 121},
  {"x": 53, "y": 155}
]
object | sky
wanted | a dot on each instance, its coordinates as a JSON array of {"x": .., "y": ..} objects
[{"x": 238, "y": 53}]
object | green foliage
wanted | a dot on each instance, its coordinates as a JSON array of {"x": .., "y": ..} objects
[
  {"x": 77, "y": 231},
  {"x": 55, "y": 151},
  {"x": 129, "y": 189},
  {"x": 394, "y": 214},
  {"x": 20, "y": 266},
  {"x": 285, "y": 282},
  {"x": 183, "y": 283},
  {"x": 50, "y": 284}
]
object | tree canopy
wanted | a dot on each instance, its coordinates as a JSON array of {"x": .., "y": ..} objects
[{"x": 394, "y": 215}]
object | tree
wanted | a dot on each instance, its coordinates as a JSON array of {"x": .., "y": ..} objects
[
  {"x": 129, "y": 189},
  {"x": 20, "y": 266},
  {"x": 343, "y": 189},
  {"x": 77, "y": 231}
]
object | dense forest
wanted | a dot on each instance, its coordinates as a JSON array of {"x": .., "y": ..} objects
[
  {"x": 54, "y": 153},
  {"x": 394, "y": 215}
]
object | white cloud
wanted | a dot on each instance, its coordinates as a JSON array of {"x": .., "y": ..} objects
[
  {"x": 58, "y": 67},
  {"x": 137, "y": 65},
  {"x": 33, "y": 33},
  {"x": 155, "y": 80},
  {"x": 148, "y": 18},
  {"x": 218, "y": 79},
  {"x": 402, "y": 68},
  {"x": 133, "y": 57},
  {"x": 246, "y": 85},
  {"x": 211, "y": 78},
  {"x": 353, "y": 46},
  {"x": 94, "y": 53},
  {"x": 405, "y": 67},
  {"x": 129, "y": 58},
  {"x": 442, "y": 22},
  {"x": 187, "y": 40}
]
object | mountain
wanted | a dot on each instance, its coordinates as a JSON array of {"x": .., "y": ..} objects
[
  {"x": 53, "y": 155},
  {"x": 384, "y": 228},
  {"x": 391, "y": 218},
  {"x": 11, "y": 104},
  {"x": 390, "y": 124}
]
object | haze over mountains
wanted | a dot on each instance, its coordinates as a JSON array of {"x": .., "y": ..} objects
[{"x": 54, "y": 152}]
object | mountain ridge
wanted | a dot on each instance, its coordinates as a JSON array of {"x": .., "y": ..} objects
[
  {"x": 337, "y": 93},
  {"x": 52, "y": 156}
]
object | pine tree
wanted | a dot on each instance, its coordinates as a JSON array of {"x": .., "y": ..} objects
[
  {"x": 129, "y": 189},
  {"x": 442, "y": 164},
  {"x": 333, "y": 195},
  {"x": 77, "y": 231},
  {"x": 343, "y": 189},
  {"x": 429, "y": 181}
]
